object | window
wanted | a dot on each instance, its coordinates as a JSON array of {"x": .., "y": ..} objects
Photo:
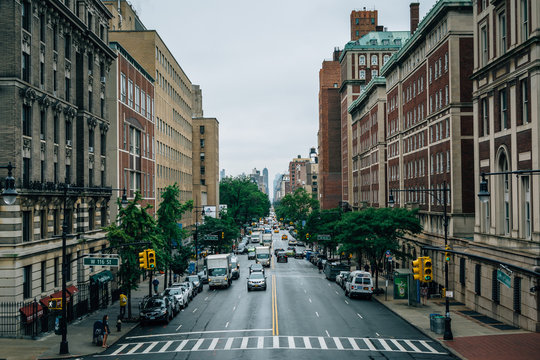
[
  {"x": 90, "y": 101},
  {"x": 43, "y": 276},
  {"x": 69, "y": 132},
  {"x": 525, "y": 180},
  {"x": 56, "y": 128},
  {"x": 91, "y": 218},
  {"x": 202, "y": 157},
  {"x": 123, "y": 87},
  {"x": 55, "y": 37},
  {"x": 357, "y": 21},
  {"x": 43, "y": 222},
  {"x": 517, "y": 295},
  {"x": 26, "y": 15},
  {"x": 27, "y": 226},
  {"x": 135, "y": 141},
  {"x": 362, "y": 60},
  {"x": 504, "y": 109},
  {"x": 362, "y": 74},
  {"x": 90, "y": 63},
  {"x": 103, "y": 143},
  {"x": 524, "y": 19},
  {"x": 485, "y": 117},
  {"x": 374, "y": 60},
  {"x": 26, "y": 120},
  {"x": 27, "y": 282},
  {"x": 67, "y": 46},
  {"x": 25, "y": 67},
  {"x": 524, "y": 88},
  {"x": 203, "y": 170},
  {"x": 477, "y": 279},
  {"x": 502, "y": 33},
  {"x": 202, "y": 143},
  {"x": 67, "y": 89},
  {"x": 357, "y": 33},
  {"x": 386, "y": 58},
  {"x": 374, "y": 73},
  {"x": 505, "y": 192},
  {"x": 68, "y": 174},
  {"x": 26, "y": 172},
  {"x": 143, "y": 103},
  {"x": 56, "y": 271},
  {"x": 201, "y": 129},
  {"x": 130, "y": 92},
  {"x": 445, "y": 62},
  {"x": 42, "y": 177},
  {"x": 484, "y": 43},
  {"x": 137, "y": 98},
  {"x": 41, "y": 74}
]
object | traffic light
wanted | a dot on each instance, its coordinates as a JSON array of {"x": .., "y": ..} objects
[
  {"x": 417, "y": 269},
  {"x": 427, "y": 270},
  {"x": 223, "y": 235},
  {"x": 143, "y": 260},
  {"x": 446, "y": 253},
  {"x": 151, "y": 259},
  {"x": 307, "y": 236}
]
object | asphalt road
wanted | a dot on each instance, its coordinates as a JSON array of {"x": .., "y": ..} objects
[{"x": 301, "y": 315}]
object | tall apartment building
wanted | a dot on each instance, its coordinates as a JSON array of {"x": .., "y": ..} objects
[
  {"x": 361, "y": 61},
  {"x": 131, "y": 104},
  {"x": 363, "y": 22},
  {"x": 298, "y": 173},
  {"x": 205, "y": 155},
  {"x": 173, "y": 104},
  {"x": 54, "y": 129},
  {"x": 506, "y": 83},
  {"x": 369, "y": 146},
  {"x": 329, "y": 134}
]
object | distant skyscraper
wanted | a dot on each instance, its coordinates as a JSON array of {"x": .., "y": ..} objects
[
  {"x": 222, "y": 174},
  {"x": 265, "y": 180}
]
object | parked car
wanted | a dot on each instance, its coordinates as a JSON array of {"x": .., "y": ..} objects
[
  {"x": 189, "y": 287},
  {"x": 256, "y": 280},
  {"x": 197, "y": 283},
  {"x": 298, "y": 255},
  {"x": 359, "y": 283},
  {"x": 176, "y": 301},
  {"x": 156, "y": 308},
  {"x": 256, "y": 268},
  {"x": 340, "y": 278},
  {"x": 180, "y": 293},
  {"x": 282, "y": 257},
  {"x": 235, "y": 268}
]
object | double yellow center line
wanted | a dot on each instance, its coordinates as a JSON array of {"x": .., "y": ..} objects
[{"x": 275, "y": 323}]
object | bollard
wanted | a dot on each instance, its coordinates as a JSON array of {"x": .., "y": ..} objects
[{"x": 119, "y": 325}]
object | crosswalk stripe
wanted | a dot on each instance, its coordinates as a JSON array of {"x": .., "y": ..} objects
[
  {"x": 322, "y": 343},
  {"x": 150, "y": 347},
  {"x": 425, "y": 344},
  {"x": 338, "y": 343},
  {"x": 385, "y": 345},
  {"x": 260, "y": 342},
  {"x": 414, "y": 348},
  {"x": 165, "y": 347},
  {"x": 369, "y": 344},
  {"x": 213, "y": 344},
  {"x": 182, "y": 344},
  {"x": 354, "y": 344},
  {"x": 197, "y": 345},
  {"x": 244, "y": 343},
  {"x": 119, "y": 350},
  {"x": 398, "y": 345},
  {"x": 307, "y": 343},
  {"x": 292, "y": 345},
  {"x": 135, "y": 348},
  {"x": 228, "y": 345},
  {"x": 275, "y": 342}
]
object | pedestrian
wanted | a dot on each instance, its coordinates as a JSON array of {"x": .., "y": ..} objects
[
  {"x": 366, "y": 268},
  {"x": 106, "y": 330},
  {"x": 424, "y": 294},
  {"x": 123, "y": 304},
  {"x": 155, "y": 283},
  {"x": 319, "y": 265}
]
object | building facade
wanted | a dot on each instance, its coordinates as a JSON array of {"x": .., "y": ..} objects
[
  {"x": 363, "y": 22},
  {"x": 54, "y": 130},
  {"x": 506, "y": 80}
]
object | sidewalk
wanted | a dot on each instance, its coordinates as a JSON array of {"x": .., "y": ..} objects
[
  {"x": 79, "y": 333},
  {"x": 476, "y": 337}
]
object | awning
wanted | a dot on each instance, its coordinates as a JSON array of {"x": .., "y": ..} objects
[
  {"x": 72, "y": 289},
  {"x": 32, "y": 311},
  {"x": 45, "y": 301},
  {"x": 102, "y": 277},
  {"x": 58, "y": 295}
]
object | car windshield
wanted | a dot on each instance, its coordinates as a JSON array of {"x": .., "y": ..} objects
[
  {"x": 193, "y": 278},
  {"x": 154, "y": 303},
  {"x": 217, "y": 272},
  {"x": 263, "y": 256},
  {"x": 256, "y": 267},
  {"x": 172, "y": 291},
  {"x": 256, "y": 276}
]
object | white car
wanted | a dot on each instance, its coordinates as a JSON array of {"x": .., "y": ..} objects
[
  {"x": 187, "y": 287},
  {"x": 179, "y": 294}
]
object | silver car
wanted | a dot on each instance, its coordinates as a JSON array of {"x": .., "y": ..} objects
[
  {"x": 256, "y": 280},
  {"x": 188, "y": 287},
  {"x": 178, "y": 293}
]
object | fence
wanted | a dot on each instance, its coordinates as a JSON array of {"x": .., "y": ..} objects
[{"x": 33, "y": 318}]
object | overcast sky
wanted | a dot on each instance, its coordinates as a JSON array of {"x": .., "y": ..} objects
[{"x": 258, "y": 63}]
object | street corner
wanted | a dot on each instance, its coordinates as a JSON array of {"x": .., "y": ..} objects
[{"x": 524, "y": 346}]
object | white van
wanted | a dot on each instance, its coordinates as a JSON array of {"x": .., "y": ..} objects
[{"x": 359, "y": 283}]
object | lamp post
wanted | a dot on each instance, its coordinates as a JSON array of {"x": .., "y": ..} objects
[
  {"x": 9, "y": 193},
  {"x": 196, "y": 235},
  {"x": 433, "y": 192}
]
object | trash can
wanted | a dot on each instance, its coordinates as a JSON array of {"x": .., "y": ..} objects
[
  {"x": 432, "y": 321},
  {"x": 57, "y": 329},
  {"x": 438, "y": 324}
]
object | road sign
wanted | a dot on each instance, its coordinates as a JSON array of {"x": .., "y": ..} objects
[
  {"x": 504, "y": 278},
  {"x": 101, "y": 261},
  {"x": 211, "y": 237},
  {"x": 388, "y": 252},
  {"x": 324, "y": 237}
]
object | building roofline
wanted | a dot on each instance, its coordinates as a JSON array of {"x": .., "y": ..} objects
[
  {"x": 115, "y": 45},
  {"x": 376, "y": 81}
]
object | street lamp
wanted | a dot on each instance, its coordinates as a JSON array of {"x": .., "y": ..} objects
[
  {"x": 433, "y": 192},
  {"x": 484, "y": 195},
  {"x": 9, "y": 194},
  {"x": 196, "y": 237}
]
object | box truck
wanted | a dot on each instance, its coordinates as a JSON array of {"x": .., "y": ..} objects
[{"x": 218, "y": 267}]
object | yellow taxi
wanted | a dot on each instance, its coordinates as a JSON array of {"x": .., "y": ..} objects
[
  {"x": 276, "y": 231},
  {"x": 284, "y": 237}
]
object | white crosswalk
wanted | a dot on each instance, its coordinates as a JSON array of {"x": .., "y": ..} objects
[{"x": 275, "y": 342}]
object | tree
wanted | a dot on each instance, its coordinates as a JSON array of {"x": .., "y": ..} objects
[
  {"x": 225, "y": 226},
  {"x": 297, "y": 206},
  {"x": 322, "y": 222},
  {"x": 243, "y": 199},
  {"x": 134, "y": 226},
  {"x": 169, "y": 215},
  {"x": 180, "y": 260},
  {"x": 375, "y": 230}
]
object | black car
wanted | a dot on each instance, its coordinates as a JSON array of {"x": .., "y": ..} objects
[
  {"x": 196, "y": 281},
  {"x": 282, "y": 257},
  {"x": 256, "y": 268},
  {"x": 276, "y": 251},
  {"x": 156, "y": 308}
]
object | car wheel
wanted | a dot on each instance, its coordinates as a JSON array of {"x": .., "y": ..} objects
[
  {"x": 249, "y": 289},
  {"x": 347, "y": 294}
]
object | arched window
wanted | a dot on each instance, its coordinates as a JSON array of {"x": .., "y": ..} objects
[{"x": 374, "y": 60}]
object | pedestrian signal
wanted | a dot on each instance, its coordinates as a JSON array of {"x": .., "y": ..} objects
[
  {"x": 417, "y": 269},
  {"x": 143, "y": 260},
  {"x": 151, "y": 259},
  {"x": 55, "y": 303},
  {"x": 427, "y": 269}
]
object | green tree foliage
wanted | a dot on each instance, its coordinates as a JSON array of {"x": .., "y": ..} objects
[
  {"x": 296, "y": 207},
  {"x": 134, "y": 225},
  {"x": 373, "y": 231},
  {"x": 212, "y": 226},
  {"x": 169, "y": 215},
  {"x": 243, "y": 199},
  {"x": 322, "y": 222},
  {"x": 180, "y": 260}
]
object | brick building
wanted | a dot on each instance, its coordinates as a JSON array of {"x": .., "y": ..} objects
[
  {"x": 54, "y": 129},
  {"x": 363, "y": 22}
]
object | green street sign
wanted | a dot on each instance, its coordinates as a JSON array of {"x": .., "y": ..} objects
[
  {"x": 504, "y": 278},
  {"x": 211, "y": 237},
  {"x": 324, "y": 237},
  {"x": 101, "y": 261}
]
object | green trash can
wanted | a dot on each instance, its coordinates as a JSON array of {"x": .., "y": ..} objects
[{"x": 438, "y": 324}]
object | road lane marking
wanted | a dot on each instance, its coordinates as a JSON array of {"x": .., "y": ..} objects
[
  {"x": 337, "y": 292},
  {"x": 275, "y": 322},
  {"x": 260, "y": 342},
  {"x": 424, "y": 343},
  {"x": 149, "y": 348},
  {"x": 197, "y": 345},
  {"x": 307, "y": 342},
  {"x": 135, "y": 348},
  {"x": 234, "y": 308},
  {"x": 398, "y": 345},
  {"x": 178, "y": 328},
  {"x": 377, "y": 334},
  {"x": 194, "y": 332},
  {"x": 353, "y": 344},
  {"x": 213, "y": 344},
  {"x": 346, "y": 302},
  {"x": 195, "y": 310},
  {"x": 291, "y": 343},
  {"x": 227, "y": 324},
  {"x": 206, "y": 298},
  {"x": 120, "y": 349},
  {"x": 309, "y": 299},
  {"x": 244, "y": 343},
  {"x": 316, "y": 313},
  {"x": 369, "y": 345},
  {"x": 275, "y": 342},
  {"x": 322, "y": 343},
  {"x": 228, "y": 345},
  {"x": 327, "y": 333},
  {"x": 165, "y": 347},
  {"x": 385, "y": 345},
  {"x": 338, "y": 343},
  {"x": 360, "y": 316},
  {"x": 305, "y": 292},
  {"x": 411, "y": 345},
  {"x": 329, "y": 284},
  {"x": 181, "y": 346}
]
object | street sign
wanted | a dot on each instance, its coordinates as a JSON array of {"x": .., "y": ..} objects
[
  {"x": 324, "y": 237},
  {"x": 101, "y": 261},
  {"x": 388, "y": 252},
  {"x": 504, "y": 278},
  {"x": 211, "y": 237}
]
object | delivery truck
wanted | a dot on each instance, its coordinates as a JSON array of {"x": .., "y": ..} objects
[
  {"x": 267, "y": 239},
  {"x": 263, "y": 255},
  {"x": 218, "y": 267}
]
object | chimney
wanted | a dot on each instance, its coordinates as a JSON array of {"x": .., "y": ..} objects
[
  {"x": 415, "y": 16},
  {"x": 379, "y": 28}
]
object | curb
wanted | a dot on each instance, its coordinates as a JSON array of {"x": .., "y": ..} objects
[{"x": 443, "y": 344}]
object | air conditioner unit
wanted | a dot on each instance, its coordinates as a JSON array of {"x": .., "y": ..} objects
[
  {"x": 103, "y": 79},
  {"x": 91, "y": 149},
  {"x": 68, "y": 142}
]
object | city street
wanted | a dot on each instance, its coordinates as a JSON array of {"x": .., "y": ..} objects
[{"x": 301, "y": 314}]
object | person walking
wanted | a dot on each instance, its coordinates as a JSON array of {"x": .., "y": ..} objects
[
  {"x": 106, "y": 330},
  {"x": 123, "y": 304},
  {"x": 155, "y": 283},
  {"x": 424, "y": 294},
  {"x": 366, "y": 268}
]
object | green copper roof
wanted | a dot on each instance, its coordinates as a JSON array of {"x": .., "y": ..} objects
[
  {"x": 377, "y": 80},
  {"x": 378, "y": 40}
]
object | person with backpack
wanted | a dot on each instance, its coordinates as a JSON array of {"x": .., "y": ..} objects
[{"x": 156, "y": 284}]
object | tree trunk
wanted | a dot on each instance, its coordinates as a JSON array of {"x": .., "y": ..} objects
[{"x": 129, "y": 303}]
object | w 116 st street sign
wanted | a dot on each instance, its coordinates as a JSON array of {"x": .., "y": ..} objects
[
  {"x": 101, "y": 261},
  {"x": 324, "y": 237},
  {"x": 210, "y": 237}
]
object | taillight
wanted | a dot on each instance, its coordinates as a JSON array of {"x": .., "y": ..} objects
[{"x": 352, "y": 287}]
